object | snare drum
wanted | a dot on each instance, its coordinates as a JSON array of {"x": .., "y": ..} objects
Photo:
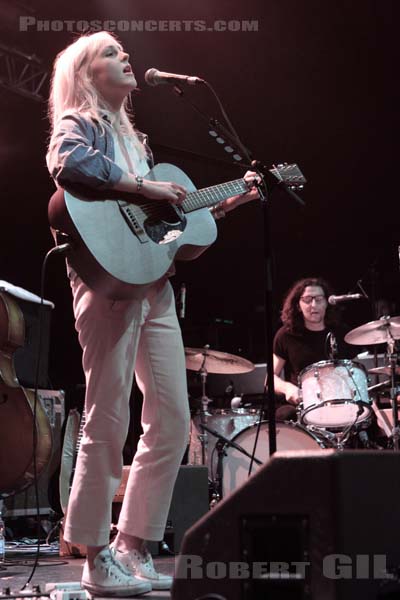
[
  {"x": 289, "y": 436},
  {"x": 334, "y": 395}
]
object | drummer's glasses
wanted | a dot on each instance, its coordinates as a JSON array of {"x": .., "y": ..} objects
[{"x": 308, "y": 299}]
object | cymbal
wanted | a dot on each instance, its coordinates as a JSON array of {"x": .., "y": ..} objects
[
  {"x": 378, "y": 386},
  {"x": 216, "y": 362},
  {"x": 375, "y": 332},
  {"x": 384, "y": 371}
]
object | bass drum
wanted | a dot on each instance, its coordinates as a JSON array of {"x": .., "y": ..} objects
[{"x": 289, "y": 436}]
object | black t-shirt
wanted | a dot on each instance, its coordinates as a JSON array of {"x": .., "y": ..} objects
[{"x": 301, "y": 350}]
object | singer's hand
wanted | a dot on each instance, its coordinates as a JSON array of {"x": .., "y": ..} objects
[
  {"x": 155, "y": 190},
  {"x": 292, "y": 393},
  {"x": 250, "y": 178},
  {"x": 163, "y": 190}
]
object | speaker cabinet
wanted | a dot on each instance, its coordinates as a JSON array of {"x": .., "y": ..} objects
[
  {"x": 25, "y": 358},
  {"x": 189, "y": 503},
  {"x": 307, "y": 525}
]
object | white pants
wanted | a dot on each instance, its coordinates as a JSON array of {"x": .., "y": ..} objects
[{"x": 116, "y": 337}]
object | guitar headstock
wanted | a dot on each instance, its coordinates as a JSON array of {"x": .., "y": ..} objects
[{"x": 290, "y": 174}]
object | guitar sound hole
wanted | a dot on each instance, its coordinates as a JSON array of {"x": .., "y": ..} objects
[{"x": 166, "y": 226}]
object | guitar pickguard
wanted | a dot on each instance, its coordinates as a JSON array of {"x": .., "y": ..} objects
[{"x": 162, "y": 231}]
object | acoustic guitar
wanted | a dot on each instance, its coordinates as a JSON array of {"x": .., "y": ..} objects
[{"x": 120, "y": 244}]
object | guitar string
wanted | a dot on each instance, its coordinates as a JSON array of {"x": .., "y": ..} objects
[
  {"x": 193, "y": 199},
  {"x": 197, "y": 197}
]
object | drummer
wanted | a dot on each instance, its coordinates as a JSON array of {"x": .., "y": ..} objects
[{"x": 311, "y": 332}]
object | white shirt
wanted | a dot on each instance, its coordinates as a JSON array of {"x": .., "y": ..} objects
[{"x": 139, "y": 164}]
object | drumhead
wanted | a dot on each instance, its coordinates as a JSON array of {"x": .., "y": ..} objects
[
  {"x": 289, "y": 436},
  {"x": 334, "y": 394}
]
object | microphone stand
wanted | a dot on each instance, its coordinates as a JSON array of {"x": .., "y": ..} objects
[
  {"x": 221, "y": 444},
  {"x": 269, "y": 392},
  {"x": 374, "y": 308},
  {"x": 269, "y": 183}
]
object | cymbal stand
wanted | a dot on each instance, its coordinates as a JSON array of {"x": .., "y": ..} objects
[
  {"x": 203, "y": 437},
  {"x": 393, "y": 389}
]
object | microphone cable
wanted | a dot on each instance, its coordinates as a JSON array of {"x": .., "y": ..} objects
[{"x": 56, "y": 250}]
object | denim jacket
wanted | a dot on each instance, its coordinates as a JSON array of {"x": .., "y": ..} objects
[{"x": 81, "y": 156}]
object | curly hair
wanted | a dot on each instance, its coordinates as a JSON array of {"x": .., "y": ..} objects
[{"x": 291, "y": 315}]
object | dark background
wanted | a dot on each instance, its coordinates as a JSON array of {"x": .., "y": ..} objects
[{"x": 316, "y": 85}]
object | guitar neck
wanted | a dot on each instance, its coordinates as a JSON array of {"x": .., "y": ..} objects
[
  {"x": 213, "y": 195},
  {"x": 288, "y": 174}
]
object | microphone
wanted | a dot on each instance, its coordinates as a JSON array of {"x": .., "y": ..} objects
[
  {"x": 182, "y": 301},
  {"x": 333, "y": 345},
  {"x": 156, "y": 77},
  {"x": 343, "y": 298}
]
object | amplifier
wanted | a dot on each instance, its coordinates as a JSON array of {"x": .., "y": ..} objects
[
  {"x": 189, "y": 503},
  {"x": 25, "y": 357},
  {"x": 243, "y": 383}
]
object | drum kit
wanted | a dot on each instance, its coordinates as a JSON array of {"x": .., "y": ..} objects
[{"x": 336, "y": 405}]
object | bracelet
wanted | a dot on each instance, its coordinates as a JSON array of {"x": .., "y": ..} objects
[
  {"x": 218, "y": 212},
  {"x": 139, "y": 182}
]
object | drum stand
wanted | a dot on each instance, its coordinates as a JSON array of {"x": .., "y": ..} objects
[
  {"x": 205, "y": 401},
  {"x": 335, "y": 439},
  {"x": 393, "y": 390},
  {"x": 220, "y": 446},
  {"x": 343, "y": 436}
]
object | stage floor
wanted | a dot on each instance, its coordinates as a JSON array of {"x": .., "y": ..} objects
[{"x": 55, "y": 569}]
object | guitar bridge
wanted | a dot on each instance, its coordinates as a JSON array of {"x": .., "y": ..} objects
[{"x": 132, "y": 221}]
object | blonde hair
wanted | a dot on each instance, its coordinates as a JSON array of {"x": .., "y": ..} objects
[{"x": 72, "y": 88}]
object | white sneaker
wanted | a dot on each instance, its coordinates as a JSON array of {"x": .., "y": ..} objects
[
  {"x": 110, "y": 578},
  {"x": 141, "y": 565}
]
